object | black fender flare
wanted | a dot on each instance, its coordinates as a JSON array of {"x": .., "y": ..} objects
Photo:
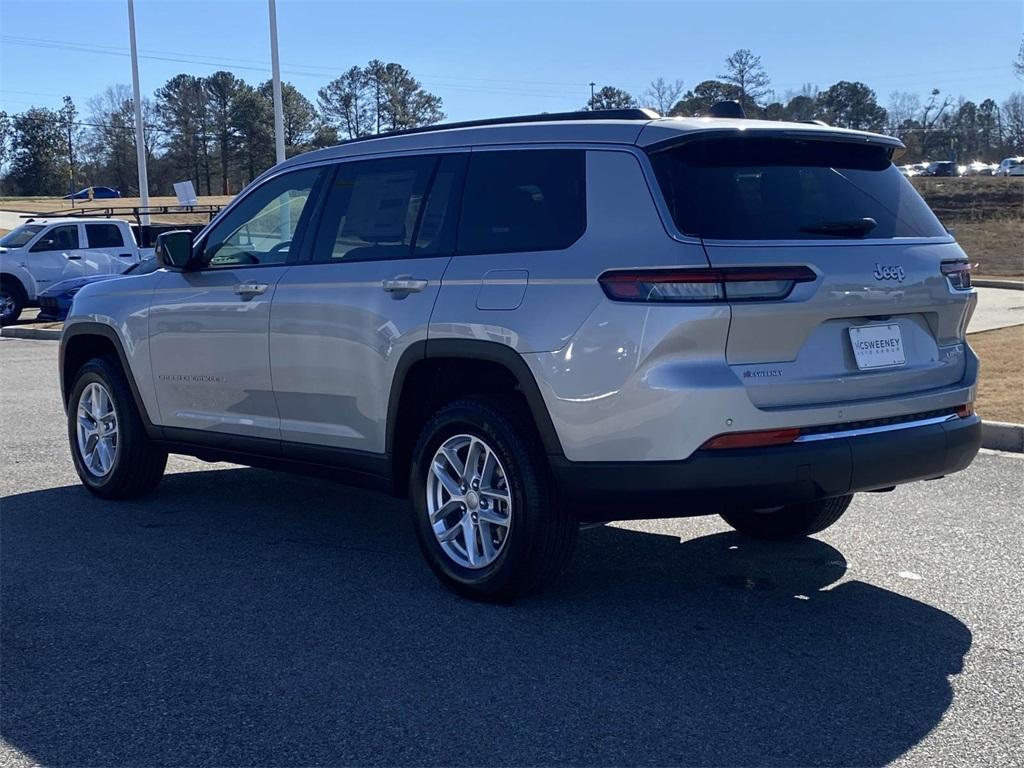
[
  {"x": 111, "y": 335},
  {"x": 473, "y": 349}
]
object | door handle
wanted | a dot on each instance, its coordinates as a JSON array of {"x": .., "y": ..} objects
[
  {"x": 251, "y": 289},
  {"x": 73, "y": 256},
  {"x": 404, "y": 284}
]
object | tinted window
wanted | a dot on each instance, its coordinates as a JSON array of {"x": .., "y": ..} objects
[
  {"x": 770, "y": 189},
  {"x": 374, "y": 209},
  {"x": 104, "y": 236},
  {"x": 265, "y": 225},
  {"x": 523, "y": 200},
  {"x": 59, "y": 239}
]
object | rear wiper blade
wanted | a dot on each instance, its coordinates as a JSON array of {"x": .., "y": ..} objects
[{"x": 855, "y": 227}]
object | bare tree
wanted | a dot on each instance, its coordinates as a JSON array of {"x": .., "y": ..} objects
[
  {"x": 1018, "y": 63},
  {"x": 744, "y": 70},
  {"x": 662, "y": 95}
]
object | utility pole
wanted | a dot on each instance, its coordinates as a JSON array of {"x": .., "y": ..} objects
[
  {"x": 275, "y": 66},
  {"x": 592, "y": 84},
  {"x": 140, "y": 136}
]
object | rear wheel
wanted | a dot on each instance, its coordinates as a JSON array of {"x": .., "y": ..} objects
[
  {"x": 113, "y": 456},
  {"x": 12, "y": 301},
  {"x": 788, "y": 522},
  {"x": 485, "y": 513}
]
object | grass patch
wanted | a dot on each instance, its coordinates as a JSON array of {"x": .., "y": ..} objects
[
  {"x": 986, "y": 214},
  {"x": 1001, "y": 382}
]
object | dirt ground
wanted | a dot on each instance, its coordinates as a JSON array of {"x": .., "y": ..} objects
[{"x": 1001, "y": 383}]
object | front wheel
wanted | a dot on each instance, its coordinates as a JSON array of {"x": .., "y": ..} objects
[
  {"x": 788, "y": 522},
  {"x": 486, "y": 515},
  {"x": 113, "y": 455},
  {"x": 12, "y": 301}
]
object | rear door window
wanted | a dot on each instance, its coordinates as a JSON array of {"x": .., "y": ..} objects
[
  {"x": 104, "y": 236},
  {"x": 786, "y": 189},
  {"x": 523, "y": 200},
  {"x": 373, "y": 210}
]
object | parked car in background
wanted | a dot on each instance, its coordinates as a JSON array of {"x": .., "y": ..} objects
[
  {"x": 98, "y": 193},
  {"x": 1011, "y": 166},
  {"x": 55, "y": 301},
  {"x": 43, "y": 252},
  {"x": 531, "y": 323},
  {"x": 979, "y": 168},
  {"x": 942, "y": 168}
]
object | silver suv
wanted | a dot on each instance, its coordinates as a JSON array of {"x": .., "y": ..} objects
[{"x": 532, "y": 323}]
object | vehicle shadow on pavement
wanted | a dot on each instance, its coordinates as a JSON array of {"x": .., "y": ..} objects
[{"x": 241, "y": 617}]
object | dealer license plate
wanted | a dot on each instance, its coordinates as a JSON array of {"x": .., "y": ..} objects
[{"x": 877, "y": 346}]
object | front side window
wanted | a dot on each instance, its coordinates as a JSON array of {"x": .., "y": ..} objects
[
  {"x": 789, "y": 189},
  {"x": 376, "y": 208},
  {"x": 523, "y": 200},
  {"x": 265, "y": 225},
  {"x": 104, "y": 236},
  {"x": 63, "y": 238}
]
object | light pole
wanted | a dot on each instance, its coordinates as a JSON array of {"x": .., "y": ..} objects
[
  {"x": 275, "y": 67},
  {"x": 140, "y": 136},
  {"x": 592, "y": 84}
]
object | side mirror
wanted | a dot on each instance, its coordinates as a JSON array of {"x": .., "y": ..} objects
[
  {"x": 46, "y": 244},
  {"x": 174, "y": 249}
]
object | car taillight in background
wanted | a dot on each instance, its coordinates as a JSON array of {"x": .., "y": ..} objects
[
  {"x": 958, "y": 273},
  {"x": 685, "y": 286}
]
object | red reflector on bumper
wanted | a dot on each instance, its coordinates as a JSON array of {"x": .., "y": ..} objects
[
  {"x": 752, "y": 439},
  {"x": 965, "y": 410}
]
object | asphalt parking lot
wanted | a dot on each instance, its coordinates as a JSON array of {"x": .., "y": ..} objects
[{"x": 241, "y": 617}]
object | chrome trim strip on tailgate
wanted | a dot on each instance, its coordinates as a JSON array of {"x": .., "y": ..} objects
[{"x": 875, "y": 430}]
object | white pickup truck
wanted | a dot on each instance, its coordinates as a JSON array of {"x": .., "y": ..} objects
[{"x": 44, "y": 251}]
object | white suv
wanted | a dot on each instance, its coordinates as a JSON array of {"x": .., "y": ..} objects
[{"x": 530, "y": 323}]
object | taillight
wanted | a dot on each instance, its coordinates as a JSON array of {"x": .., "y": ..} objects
[
  {"x": 683, "y": 286},
  {"x": 965, "y": 410},
  {"x": 958, "y": 273}
]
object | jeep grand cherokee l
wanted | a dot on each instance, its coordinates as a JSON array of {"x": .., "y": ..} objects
[{"x": 527, "y": 324}]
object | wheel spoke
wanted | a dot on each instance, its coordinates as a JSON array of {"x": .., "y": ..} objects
[
  {"x": 469, "y": 536},
  {"x": 486, "y": 542},
  {"x": 487, "y": 473},
  {"x": 451, "y": 454},
  {"x": 450, "y": 484},
  {"x": 492, "y": 517},
  {"x": 443, "y": 512},
  {"x": 496, "y": 494},
  {"x": 452, "y": 532},
  {"x": 473, "y": 457}
]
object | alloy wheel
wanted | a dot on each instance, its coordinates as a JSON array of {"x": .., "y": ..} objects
[
  {"x": 469, "y": 501},
  {"x": 97, "y": 430}
]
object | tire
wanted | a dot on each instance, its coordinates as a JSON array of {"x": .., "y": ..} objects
[
  {"x": 537, "y": 540},
  {"x": 135, "y": 463},
  {"x": 12, "y": 301},
  {"x": 789, "y": 522}
]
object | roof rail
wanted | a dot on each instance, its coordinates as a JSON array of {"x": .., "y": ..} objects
[{"x": 544, "y": 117}]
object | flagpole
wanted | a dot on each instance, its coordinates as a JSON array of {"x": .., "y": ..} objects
[{"x": 275, "y": 66}]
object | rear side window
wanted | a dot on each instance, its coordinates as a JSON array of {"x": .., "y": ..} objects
[
  {"x": 786, "y": 189},
  {"x": 104, "y": 236},
  {"x": 523, "y": 200},
  {"x": 374, "y": 208}
]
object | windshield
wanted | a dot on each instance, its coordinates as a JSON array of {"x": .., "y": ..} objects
[
  {"x": 789, "y": 189},
  {"x": 16, "y": 238}
]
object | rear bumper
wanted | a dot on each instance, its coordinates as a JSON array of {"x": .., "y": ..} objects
[{"x": 710, "y": 481}]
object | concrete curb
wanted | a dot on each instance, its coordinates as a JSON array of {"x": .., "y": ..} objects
[
  {"x": 19, "y": 332},
  {"x": 1015, "y": 285},
  {"x": 1000, "y": 436}
]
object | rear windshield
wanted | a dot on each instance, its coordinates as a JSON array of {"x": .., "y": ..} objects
[{"x": 785, "y": 189}]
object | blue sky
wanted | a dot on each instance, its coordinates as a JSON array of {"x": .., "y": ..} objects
[{"x": 498, "y": 58}]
